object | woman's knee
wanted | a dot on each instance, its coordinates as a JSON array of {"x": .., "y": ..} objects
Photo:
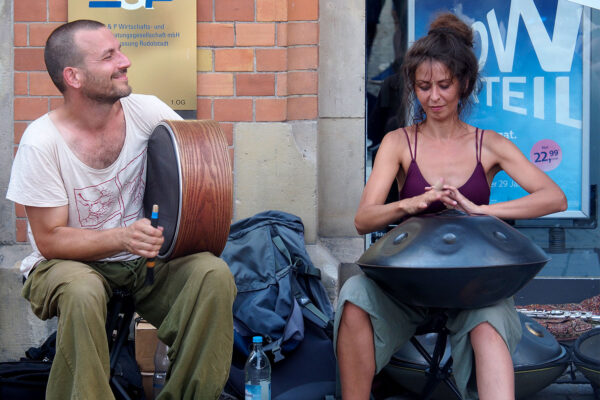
[
  {"x": 484, "y": 333},
  {"x": 354, "y": 317}
]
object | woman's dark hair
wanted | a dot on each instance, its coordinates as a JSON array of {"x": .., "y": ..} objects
[
  {"x": 61, "y": 51},
  {"x": 449, "y": 41}
]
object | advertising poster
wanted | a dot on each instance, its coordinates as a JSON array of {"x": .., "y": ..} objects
[
  {"x": 159, "y": 37},
  {"x": 534, "y": 62}
]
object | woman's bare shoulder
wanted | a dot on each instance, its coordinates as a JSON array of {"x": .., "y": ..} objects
[{"x": 398, "y": 136}]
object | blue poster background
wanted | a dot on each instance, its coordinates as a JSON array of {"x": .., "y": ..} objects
[{"x": 510, "y": 102}]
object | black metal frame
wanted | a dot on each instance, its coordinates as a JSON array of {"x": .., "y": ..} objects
[
  {"x": 118, "y": 320},
  {"x": 436, "y": 371}
]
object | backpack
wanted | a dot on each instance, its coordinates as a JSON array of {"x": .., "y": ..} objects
[
  {"x": 278, "y": 285},
  {"x": 281, "y": 298}
]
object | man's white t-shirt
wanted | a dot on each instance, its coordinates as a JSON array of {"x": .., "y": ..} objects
[{"x": 46, "y": 173}]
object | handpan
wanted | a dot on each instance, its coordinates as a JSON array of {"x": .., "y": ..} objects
[
  {"x": 189, "y": 177},
  {"x": 452, "y": 260},
  {"x": 586, "y": 355}
]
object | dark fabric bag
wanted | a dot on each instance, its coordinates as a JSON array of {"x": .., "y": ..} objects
[
  {"x": 308, "y": 373},
  {"x": 278, "y": 285},
  {"x": 27, "y": 379},
  {"x": 24, "y": 379}
]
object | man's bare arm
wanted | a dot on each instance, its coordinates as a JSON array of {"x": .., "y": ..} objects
[{"x": 55, "y": 239}]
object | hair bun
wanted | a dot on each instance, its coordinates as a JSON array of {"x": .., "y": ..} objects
[{"x": 448, "y": 23}]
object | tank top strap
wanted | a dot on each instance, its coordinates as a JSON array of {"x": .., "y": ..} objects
[
  {"x": 408, "y": 142},
  {"x": 478, "y": 143}
]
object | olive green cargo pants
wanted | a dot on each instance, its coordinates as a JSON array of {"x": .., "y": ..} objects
[{"x": 190, "y": 303}]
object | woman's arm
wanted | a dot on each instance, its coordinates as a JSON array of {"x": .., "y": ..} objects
[
  {"x": 545, "y": 197},
  {"x": 372, "y": 213}
]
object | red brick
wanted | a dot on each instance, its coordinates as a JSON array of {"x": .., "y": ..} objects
[
  {"x": 38, "y": 33},
  {"x": 20, "y": 32},
  {"x": 30, "y": 108},
  {"x": 255, "y": 34},
  {"x": 58, "y": 10},
  {"x": 271, "y": 109},
  {"x": 29, "y": 10},
  {"x": 282, "y": 34},
  {"x": 271, "y": 10},
  {"x": 234, "y": 10},
  {"x": 233, "y": 110},
  {"x": 282, "y": 83},
  {"x": 20, "y": 211},
  {"x": 19, "y": 128},
  {"x": 210, "y": 34},
  {"x": 21, "y": 84},
  {"x": 204, "y": 108},
  {"x": 303, "y": 58},
  {"x": 255, "y": 85},
  {"x": 204, "y": 10},
  {"x": 302, "y": 33},
  {"x": 234, "y": 60},
  {"x": 40, "y": 84},
  {"x": 29, "y": 59},
  {"x": 228, "y": 132},
  {"x": 210, "y": 84},
  {"x": 302, "y": 108},
  {"x": 56, "y": 102},
  {"x": 271, "y": 59},
  {"x": 303, "y": 82},
  {"x": 303, "y": 10}
]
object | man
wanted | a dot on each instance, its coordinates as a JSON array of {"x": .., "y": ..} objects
[{"x": 80, "y": 173}]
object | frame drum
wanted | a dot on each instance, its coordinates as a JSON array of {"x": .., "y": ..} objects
[{"x": 189, "y": 177}]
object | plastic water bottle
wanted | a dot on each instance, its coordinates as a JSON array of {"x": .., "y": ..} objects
[
  {"x": 161, "y": 364},
  {"x": 257, "y": 373}
]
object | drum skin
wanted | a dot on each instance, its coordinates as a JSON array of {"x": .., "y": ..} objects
[
  {"x": 538, "y": 361},
  {"x": 586, "y": 355},
  {"x": 189, "y": 177}
]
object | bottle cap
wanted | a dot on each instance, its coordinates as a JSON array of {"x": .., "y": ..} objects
[{"x": 257, "y": 339}]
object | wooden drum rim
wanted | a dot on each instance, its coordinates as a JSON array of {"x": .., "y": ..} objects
[{"x": 205, "y": 177}]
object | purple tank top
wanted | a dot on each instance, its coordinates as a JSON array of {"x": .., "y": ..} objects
[{"x": 476, "y": 188}]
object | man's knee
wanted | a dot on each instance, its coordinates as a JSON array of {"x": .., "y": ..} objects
[
  {"x": 216, "y": 273},
  {"x": 86, "y": 292}
]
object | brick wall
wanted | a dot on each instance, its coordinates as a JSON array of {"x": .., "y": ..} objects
[{"x": 257, "y": 62}]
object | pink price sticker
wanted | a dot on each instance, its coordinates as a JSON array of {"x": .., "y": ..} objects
[{"x": 546, "y": 154}]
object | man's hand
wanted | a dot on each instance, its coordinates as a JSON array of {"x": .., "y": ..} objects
[{"x": 142, "y": 239}]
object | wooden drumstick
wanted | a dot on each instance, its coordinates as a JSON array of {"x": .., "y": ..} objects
[{"x": 150, "y": 262}]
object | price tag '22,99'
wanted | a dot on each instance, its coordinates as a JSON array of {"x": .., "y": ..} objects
[{"x": 546, "y": 154}]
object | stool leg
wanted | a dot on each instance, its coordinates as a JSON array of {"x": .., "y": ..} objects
[
  {"x": 118, "y": 321},
  {"x": 435, "y": 373}
]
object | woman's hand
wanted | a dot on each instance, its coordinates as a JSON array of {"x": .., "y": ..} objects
[{"x": 454, "y": 199}]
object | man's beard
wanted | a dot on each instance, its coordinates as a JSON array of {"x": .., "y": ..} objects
[{"x": 97, "y": 90}]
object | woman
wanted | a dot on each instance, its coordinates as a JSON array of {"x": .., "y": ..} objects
[{"x": 438, "y": 162}]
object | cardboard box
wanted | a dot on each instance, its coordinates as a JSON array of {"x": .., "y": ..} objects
[
  {"x": 147, "y": 384},
  {"x": 145, "y": 346}
]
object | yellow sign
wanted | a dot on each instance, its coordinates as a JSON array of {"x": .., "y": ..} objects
[{"x": 159, "y": 37}]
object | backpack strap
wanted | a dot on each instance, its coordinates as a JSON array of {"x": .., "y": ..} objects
[
  {"x": 309, "y": 310},
  {"x": 275, "y": 348}
]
